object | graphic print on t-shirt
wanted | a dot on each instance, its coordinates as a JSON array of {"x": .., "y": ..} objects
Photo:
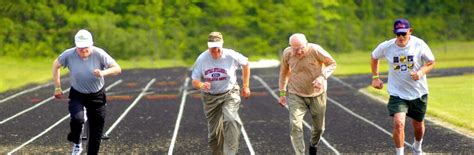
[
  {"x": 403, "y": 63},
  {"x": 215, "y": 74}
]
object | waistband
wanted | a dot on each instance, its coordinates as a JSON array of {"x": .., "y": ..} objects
[
  {"x": 219, "y": 94},
  {"x": 73, "y": 93}
]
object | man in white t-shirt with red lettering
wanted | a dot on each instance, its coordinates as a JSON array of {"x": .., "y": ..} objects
[
  {"x": 409, "y": 59},
  {"x": 214, "y": 74}
]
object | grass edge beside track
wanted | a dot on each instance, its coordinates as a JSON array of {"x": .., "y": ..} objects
[{"x": 436, "y": 112}]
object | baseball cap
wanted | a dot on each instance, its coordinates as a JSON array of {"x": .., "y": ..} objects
[
  {"x": 83, "y": 38},
  {"x": 401, "y": 25},
  {"x": 215, "y": 40}
]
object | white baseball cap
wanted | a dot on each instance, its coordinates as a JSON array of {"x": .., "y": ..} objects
[
  {"x": 83, "y": 38},
  {"x": 215, "y": 39}
]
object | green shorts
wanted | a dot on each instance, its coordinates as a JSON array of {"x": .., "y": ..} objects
[{"x": 415, "y": 109}]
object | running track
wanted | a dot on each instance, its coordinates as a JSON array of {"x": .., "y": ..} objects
[{"x": 157, "y": 112}]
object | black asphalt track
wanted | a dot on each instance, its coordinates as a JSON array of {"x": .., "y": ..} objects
[{"x": 149, "y": 125}]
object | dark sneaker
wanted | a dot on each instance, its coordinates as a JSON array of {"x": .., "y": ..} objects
[{"x": 313, "y": 150}]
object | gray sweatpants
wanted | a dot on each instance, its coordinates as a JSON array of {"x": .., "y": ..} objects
[
  {"x": 297, "y": 107},
  {"x": 223, "y": 121}
]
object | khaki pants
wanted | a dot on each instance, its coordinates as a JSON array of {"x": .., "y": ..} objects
[
  {"x": 297, "y": 107},
  {"x": 223, "y": 121}
]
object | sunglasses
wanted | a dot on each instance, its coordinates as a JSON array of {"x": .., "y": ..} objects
[{"x": 401, "y": 34}]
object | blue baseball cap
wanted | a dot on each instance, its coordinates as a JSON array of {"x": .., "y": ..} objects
[{"x": 401, "y": 25}]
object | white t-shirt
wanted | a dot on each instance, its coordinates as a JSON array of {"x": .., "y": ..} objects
[
  {"x": 219, "y": 72},
  {"x": 403, "y": 60}
]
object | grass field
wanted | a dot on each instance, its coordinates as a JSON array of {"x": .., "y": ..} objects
[
  {"x": 447, "y": 55},
  {"x": 451, "y": 99},
  {"x": 18, "y": 72}
]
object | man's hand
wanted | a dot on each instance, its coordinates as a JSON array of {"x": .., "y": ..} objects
[
  {"x": 58, "y": 93},
  {"x": 318, "y": 83},
  {"x": 245, "y": 92},
  {"x": 282, "y": 101},
  {"x": 377, "y": 83},
  {"x": 416, "y": 75},
  {"x": 98, "y": 73},
  {"x": 205, "y": 86}
]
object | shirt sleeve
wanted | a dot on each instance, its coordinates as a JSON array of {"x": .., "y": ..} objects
[
  {"x": 241, "y": 59},
  {"x": 322, "y": 55},
  {"x": 197, "y": 70},
  {"x": 62, "y": 59},
  {"x": 105, "y": 59},
  {"x": 379, "y": 51},
  {"x": 426, "y": 53}
]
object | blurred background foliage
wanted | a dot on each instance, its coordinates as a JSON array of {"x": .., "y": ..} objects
[{"x": 178, "y": 29}]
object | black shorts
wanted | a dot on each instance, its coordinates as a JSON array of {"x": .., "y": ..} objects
[{"x": 415, "y": 109}]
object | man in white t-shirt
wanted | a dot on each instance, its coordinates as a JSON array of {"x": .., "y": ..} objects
[
  {"x": 214, "y": 73},
  {"x": 409, "y": 59}
]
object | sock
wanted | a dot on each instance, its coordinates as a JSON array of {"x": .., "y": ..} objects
[
  {"x": 400, "y": 150},
  {"x": 417, "y": 144}
]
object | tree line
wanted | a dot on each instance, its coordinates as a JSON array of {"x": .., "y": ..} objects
[{"x": 178, "y": 29}]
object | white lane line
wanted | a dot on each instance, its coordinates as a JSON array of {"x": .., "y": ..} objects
[
  {"x": 364, "y": 119},
  {"x": 39, "y": 135},
  {"x": 129, "y": 107},
  {"x": 54, "y": 125},
  {"x": 180, "y": 115},
  {"x": 33, "y": 107},
  {"x": 342, "y": 82},
  {"x": 178, "y": 122},
  {"x": 247, "y": 140},
  {"x": 357, "y": 115},
  {"x": 26, "y": 91},
  {"x": 286, "y": 106}
]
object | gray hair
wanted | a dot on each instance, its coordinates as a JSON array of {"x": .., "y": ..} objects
[{"x": 298, "y": 36}]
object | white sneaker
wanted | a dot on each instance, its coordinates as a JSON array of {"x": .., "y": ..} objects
[
  {"x": 415, "y": 151},
  {"x": 76, "y": 149}
]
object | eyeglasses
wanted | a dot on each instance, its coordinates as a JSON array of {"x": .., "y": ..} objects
[
  {"x": 401, "y": 34},
  {"x": 298, "y": 48}
]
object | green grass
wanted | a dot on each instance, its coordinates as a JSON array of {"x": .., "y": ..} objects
[
  {"x": 18, "y": 72},
  {"x": 451, "y": 99},
  {"x": 447, "y": 55}
]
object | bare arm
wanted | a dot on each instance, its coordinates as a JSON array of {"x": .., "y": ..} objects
[
  {"x": 282, "y": 82},
  {"x": 56, "y": 79},
  {"x": 56, "y": 74},
  {"x": 374, "y": 65},
  {"x": 376, "y": 81},
  {"x": 113, "y": 69},
  {"x": 245, "y": 80},
  {"x": 425, "y": 69},
  {"x": 196, "y": 84},
  {"x": 245, "y": 76},
  {"x": 201, "y": 85}
]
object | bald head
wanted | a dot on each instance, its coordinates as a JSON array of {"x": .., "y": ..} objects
[{"x": 297, "y": 39}]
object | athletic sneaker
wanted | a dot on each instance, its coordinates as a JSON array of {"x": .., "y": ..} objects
[
  {"x": 416, "y": 152},
  {"x": 313, "y": 150},
  {"x": 76, "y": 149}
]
